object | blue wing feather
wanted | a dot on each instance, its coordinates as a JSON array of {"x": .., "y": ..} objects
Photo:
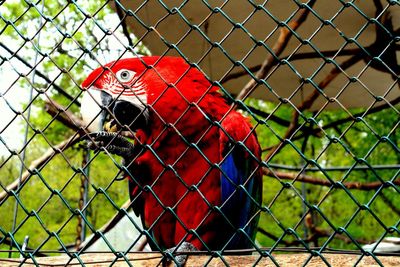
[
  {"x": 236, "y": 205},
  {"x": 230, "y": 177},
  {"x": 240, "y": 180}
]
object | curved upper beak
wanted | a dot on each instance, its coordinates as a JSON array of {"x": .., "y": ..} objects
[
  {"x": 93, "y": 109},
  {"x": 96, "y": 106}
]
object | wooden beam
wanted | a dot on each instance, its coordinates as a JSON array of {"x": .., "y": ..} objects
[{"x": 154, "y": 259}]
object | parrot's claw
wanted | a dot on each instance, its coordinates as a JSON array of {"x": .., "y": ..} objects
[
  {"x": 180, "y": 259},
  {"x": 112, "y": 142}
]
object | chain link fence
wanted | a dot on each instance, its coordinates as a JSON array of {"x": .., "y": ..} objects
[{"x": 317, "y": 80}]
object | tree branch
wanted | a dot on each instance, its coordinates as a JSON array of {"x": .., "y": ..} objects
[
  {"x": 123, "y": 23},
  {"x": 324, "y": 182},
  {"x": 390, "y": 204},
  {"x": 39, "y": 163},
  {"x": 64, "y": 116},
  {"x": 318, "y": 232},
  {"x": 239, "y": 74},
  {"x": 270, "y": 116},
  {"x": 307, "y": 103},
  {"x": 306, "y": 55},
  {"x": 316, "y": 131},
  {"x": 277, "y": 49},
  {"x": 68, "y": 119},
  {"x": 41, "y": 75}
]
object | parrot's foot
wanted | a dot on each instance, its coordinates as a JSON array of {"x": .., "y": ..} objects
[
  {"x": 112, "y": 142},
  {"x": 180, "y": 259}
]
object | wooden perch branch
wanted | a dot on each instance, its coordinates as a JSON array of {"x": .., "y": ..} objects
[
  {"x": 307, "y": 103},
  {"x": 205, "y": 259},
  {"x": 277, "y": 49},
  {"x": 306, "y": 55},
  {"x": 71, "y": 121},
  {"x": 66, "y": 117},
  {"x": 324, "y": 182}
]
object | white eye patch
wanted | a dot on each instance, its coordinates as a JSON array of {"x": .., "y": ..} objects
[{"x": 125, "y": 75}]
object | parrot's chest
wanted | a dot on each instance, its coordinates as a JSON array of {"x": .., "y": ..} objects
[{"x": 181, "y": 186}]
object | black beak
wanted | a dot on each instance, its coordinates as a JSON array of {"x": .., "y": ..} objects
[
  {"x": 120, "y": 113},
  {"x": 117, "y": 114},
  {"x": 130, "y": 115}
]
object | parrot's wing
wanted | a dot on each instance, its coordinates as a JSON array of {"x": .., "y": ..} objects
[{"x": 241, "y": 179}]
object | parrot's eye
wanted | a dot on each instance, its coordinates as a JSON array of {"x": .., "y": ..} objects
[{"x": 125, "y": 75}]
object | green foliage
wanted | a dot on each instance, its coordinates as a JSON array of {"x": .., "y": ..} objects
[{"x": 360, "y": 139}]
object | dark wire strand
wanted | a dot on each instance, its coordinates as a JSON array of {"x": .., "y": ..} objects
[{"x": 28, "y": 116}]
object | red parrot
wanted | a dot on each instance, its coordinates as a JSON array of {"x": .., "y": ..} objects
[{"x": 194, "y": 168}]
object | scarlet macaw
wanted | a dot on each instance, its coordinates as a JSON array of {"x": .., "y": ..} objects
[{"x": 194, "y": 168}]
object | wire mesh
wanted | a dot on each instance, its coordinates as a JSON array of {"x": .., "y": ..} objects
[{"x": 318, "y": 80}]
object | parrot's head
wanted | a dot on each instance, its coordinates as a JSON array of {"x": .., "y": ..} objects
[{"x": 130, "y": 92}]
